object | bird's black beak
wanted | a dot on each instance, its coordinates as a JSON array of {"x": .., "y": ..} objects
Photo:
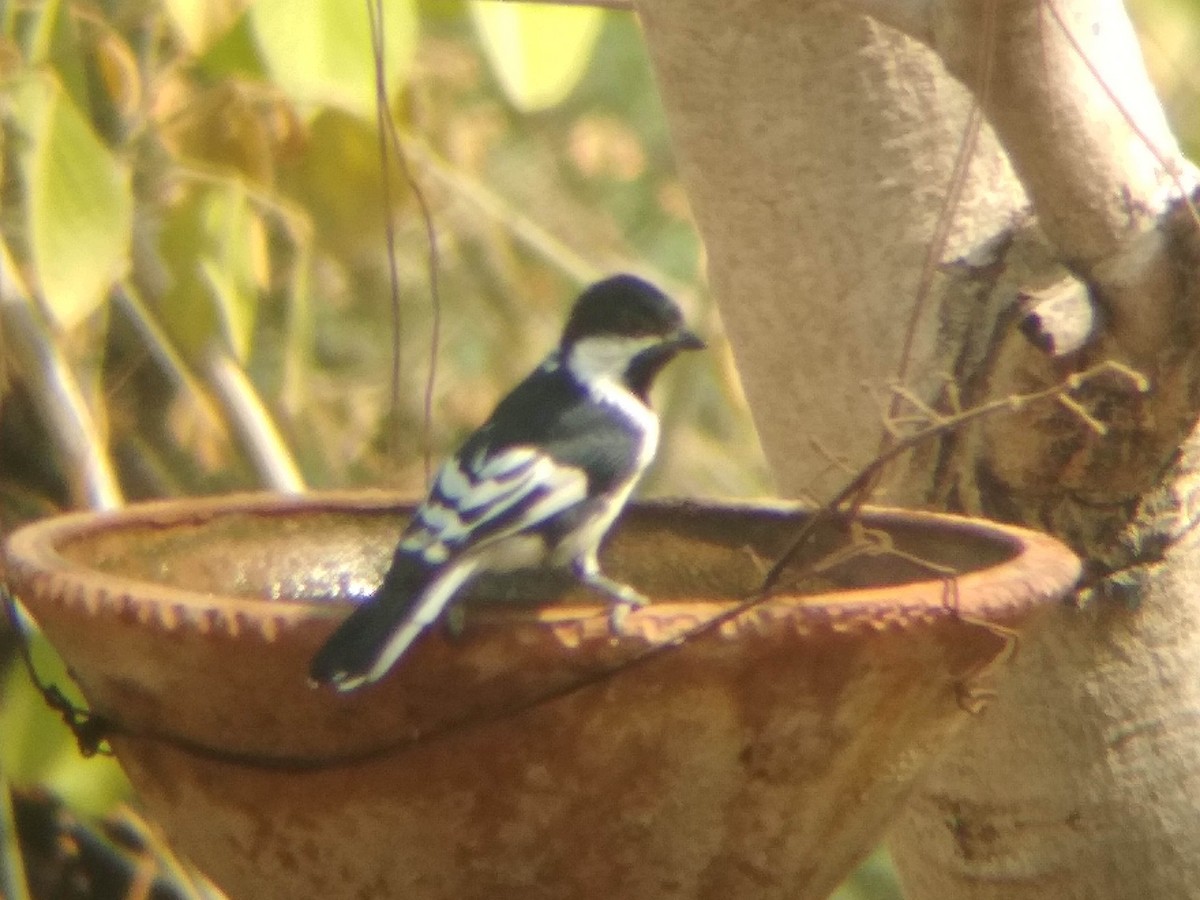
[{"x": 684, "y": 339}]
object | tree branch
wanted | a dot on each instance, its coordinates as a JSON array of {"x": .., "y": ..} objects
[{"x": 56, "y": 395}]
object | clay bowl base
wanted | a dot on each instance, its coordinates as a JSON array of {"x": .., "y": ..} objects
[{"x": 535, "y": 754}]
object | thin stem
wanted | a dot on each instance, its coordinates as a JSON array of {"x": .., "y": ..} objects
[
  {"x": 434, "y": 268},
  {"x": 388, "y": 126},
  {"x": 161, "y": 349},
  {"x": 854, "y": 490},
  {"x": 375, "y": 12},
  {"x": 525, "y": 230},
  {"x": 945, "y": 218},
  {"x": 56, "y": 395},
  {"x": 261, "y": 440}
]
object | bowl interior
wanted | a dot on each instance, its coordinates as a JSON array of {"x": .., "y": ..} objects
[{"x": 670, "y": 551}]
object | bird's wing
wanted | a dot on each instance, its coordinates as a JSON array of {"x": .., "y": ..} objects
[
  {"x": 474, "y": 503},
  {"x": 551, "y": 411},
  {"x": 477, "y": 500},
  {"x": 547, "y": 448}
]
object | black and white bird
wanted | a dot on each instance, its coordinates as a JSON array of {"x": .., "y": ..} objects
[{"x": 539, "y": 483}]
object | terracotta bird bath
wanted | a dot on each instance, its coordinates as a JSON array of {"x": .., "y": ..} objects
[{"x": 533, "y": 754}]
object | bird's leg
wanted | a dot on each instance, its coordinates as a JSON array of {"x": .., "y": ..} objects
[{"x": 623, "y": 597}]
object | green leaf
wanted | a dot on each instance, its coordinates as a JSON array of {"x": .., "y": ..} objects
[
  {"x": 56, "y": 42},
  {"x": 214, "y": 245},
  {"x": 234, "y": 53},
  {"x": 336, "y": 179},
  {"x": 299, "y": 330},
  {"x": 38, "y": 748},
  {"x": 321, "y": 53},
  {"x": 198, "y": 23},
  {"x": 538, "y": 53},
  {"x": 79, "y": 204}
]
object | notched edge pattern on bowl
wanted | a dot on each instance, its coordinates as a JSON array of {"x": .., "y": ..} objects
[
  {"x": 170, "y": 616},
  {"x": 174, "y": 608}
]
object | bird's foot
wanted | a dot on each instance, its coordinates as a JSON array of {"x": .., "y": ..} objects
[
  {"x": 618, "y": 616},
  {"x": 624, "y": 598}
]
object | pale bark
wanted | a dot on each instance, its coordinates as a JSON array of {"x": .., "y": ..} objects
[
  {"x": 816, "y": 146},
  {"x": 25, "y": 339}
]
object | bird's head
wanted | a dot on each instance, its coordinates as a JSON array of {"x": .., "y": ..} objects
[{"x": 626, "y": 329}]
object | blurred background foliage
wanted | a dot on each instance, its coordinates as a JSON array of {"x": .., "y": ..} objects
[{"x": 195, "y": 288}]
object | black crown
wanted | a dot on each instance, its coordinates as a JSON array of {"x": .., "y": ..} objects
[{"x": 624, "y": 306}]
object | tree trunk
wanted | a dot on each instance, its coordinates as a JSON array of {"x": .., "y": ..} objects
[{"x": 818, "y": 147}]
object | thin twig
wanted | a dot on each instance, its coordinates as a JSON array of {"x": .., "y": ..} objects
[
  {"x": 56, "y": 394},
  {"x": 853, "y": 492},
  {"x": 525, "y": 230},
  {"x": 162, "y": 349},
  {"x": 533, "y": 236},
  {"x": 375, "y": 12},
  {"x": 945, "y": 218},
  {"x": 388, "y": 133}
]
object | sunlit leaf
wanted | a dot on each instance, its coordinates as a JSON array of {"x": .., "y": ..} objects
[
  {"x": 299, "y": 331},
  {"x": 538, "y": 53},
  {"x": 875, "y": 879},
  {"x": 116, "y": 70},
  {"x": 200, "y": 22},
  {"x": 213, "y": 243},
  {"x": 78, "y": 201},
  {"x": 11, "y": 58},
  {"x": 234, "y": 53},
  {"x": 56, "y": 43},
  {"x": 221, "y": 124},
  {"x": 337, "y": 179},
  {"x": 320, "y": 52},
  {"x": 39, "y": 748}
]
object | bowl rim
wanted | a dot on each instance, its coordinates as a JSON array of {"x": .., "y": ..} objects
[{"x": 1040, "y": 567}]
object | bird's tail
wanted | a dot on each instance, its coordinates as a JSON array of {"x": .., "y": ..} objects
[{"x": 377, "y": 633}]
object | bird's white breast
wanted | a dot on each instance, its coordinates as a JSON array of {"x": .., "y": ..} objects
[{"x": 599, "y": 364}]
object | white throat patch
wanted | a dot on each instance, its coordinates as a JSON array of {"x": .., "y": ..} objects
[
  {"x": 606, "y": 357},
  {"x": 599, "y": 364}
]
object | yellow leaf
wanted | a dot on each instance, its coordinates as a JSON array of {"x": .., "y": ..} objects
[
  {"x": 322, "y": 54},
  {"x": 538, "y": 53},
  {"x": 200, "y": 22},
  {"x": 212, "y": 243},
  {"x": 79, "y": 204}
]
